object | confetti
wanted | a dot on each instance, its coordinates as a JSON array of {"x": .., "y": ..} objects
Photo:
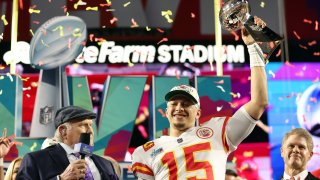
[
  {"x": 105, "y": 4},
  {"x": 262, "y": 4},
  {"x": 27, "y": 88},
  {"x": 219, "y": 108},
  {"x": 219, "y": 82},
  {"x": 92, "y": 8},
  {"x": 79, "y": 85},
  {"x": 3, "y": 18},
  {"x": 236, "y": 36},
  {"x": 189, "y": 48},
  {"x": 36, "y": 22},
  {"x": 161, "y": 112},
  {"x": 110, "y": 10},
  {"x": 278, "y": 53},
  {"x": 167, "y": 15},
  {"x": 316, "y": 25},
  {"x": 127, "y": 88},
  {"x": 163, "y": 40},
  {"x": 313, "y": 99},
  {"x": 176, "y": 72},
  {"x": 193, "y": 15},
  {"x": 60, "y": 29},
  {"x": 1, "y": 92},
  {"x": 21, "y": 4},
  {"x": 34, "y": 145},
  {"x": 148, "y": 29},
  {"x": 28, "y": 95},
  {"x": 76, "y": 32},
  {"x": 316, "y": 53},
  {"x": 1, "y": 77},
  {"x": 272, "y": 73},
  {"x": 113, "y": 20},
  {"x": 296, "y": 34},
  {"x": 91, "y": 37},
  {"x": 130, "y": 64},
  {"x": 134, "y": 23},
  {"x": 303, "y": 47},
  {"x": 34, "y": 11},
  {"x": 160, "y": 30},
  {"x": 307, "y": 21},
  {"x": 126, "y": 4},
  {"x": 221, "y": 88},
  {"x": 10, "y": 77},
  {"x": 211, "y": 64},
  {"x": 1, "y": 36},
  {"x": 314, "y": 42}
]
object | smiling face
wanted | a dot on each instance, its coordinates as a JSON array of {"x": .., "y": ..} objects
[
  {"x": 295, "y": 153},
  {"x": 182, "y": 113}
]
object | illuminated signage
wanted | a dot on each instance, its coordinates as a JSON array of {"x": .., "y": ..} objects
[{"x": 110, "y": 53}]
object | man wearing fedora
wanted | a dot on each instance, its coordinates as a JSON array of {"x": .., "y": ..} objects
[{"x": 60, "y": 161}]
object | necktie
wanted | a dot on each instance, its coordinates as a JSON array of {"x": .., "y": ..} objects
[{"x": 88, "y": 175}]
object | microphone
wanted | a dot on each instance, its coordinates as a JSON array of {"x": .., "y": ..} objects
[{"x": 83, "y": 147}]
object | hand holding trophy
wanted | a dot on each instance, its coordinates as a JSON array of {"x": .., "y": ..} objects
[{"x": 235, "y": 14}]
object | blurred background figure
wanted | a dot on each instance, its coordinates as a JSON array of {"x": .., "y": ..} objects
[{"x": 13, "y": 169}]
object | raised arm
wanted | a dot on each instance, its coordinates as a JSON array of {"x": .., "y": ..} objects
[{"x": 259, "y": 97}]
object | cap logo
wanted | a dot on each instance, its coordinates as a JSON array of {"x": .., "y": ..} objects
[{"x": 204, "y": 132}]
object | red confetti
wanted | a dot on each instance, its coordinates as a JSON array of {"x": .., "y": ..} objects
[
  {"x": 106, "y": 4},
  {"x": 316, "y": 25},
  {"x": 113, "y": 20},
  {"x": 307, "y": 21},
  {"x": 35, "y": 22},
  {"x": 312, "y": 43},
  {"x": 315, "y": 80},
  {"x": 219, "y": 82},
  {"x": 296, "y": 34},
  {"x": 303, "y": 47},
  {"x": 127, "y": 88},
  {"x": 161, "y": 112},
  {"x": 236, "y": 36},
  {"x": 163, "y": 40},
  {"x": 193, "y": 15},
  {"x": 316, "y": 53},
  {"x": 160, "y": 30},
  {"x": 312, "y": 99},
  {"x": 278, "y": 53},
  {"x": 289, "y": 64},
  {"x": 91, "y": 37},
  {"x": 134, "y": 23},
  {"x": 177, "y": 74},
  {"x": 21, "y": 4},
  {"x": 190, "y": 48}
]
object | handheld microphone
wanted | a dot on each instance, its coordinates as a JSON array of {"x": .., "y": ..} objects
[{"x": 83, "y": 147}]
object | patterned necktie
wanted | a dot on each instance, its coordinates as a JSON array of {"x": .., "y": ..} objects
[{"x": 88, "y": 175}]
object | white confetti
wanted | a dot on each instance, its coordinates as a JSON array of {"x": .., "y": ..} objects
[
  {"x": 271, "y": 73},
  {"x": 219, "y": 108},
  {"x": 9, "y": 75},
  {"x": 220, "y": 87}
]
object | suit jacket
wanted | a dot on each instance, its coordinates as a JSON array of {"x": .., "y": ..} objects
[
  {"x": 309, "y": 177},
  {"x": 52, "y": 161}
]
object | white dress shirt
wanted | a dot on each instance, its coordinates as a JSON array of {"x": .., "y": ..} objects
[
  {"x": 89, "y": 161},
  {"x": 301, "y": 175}
]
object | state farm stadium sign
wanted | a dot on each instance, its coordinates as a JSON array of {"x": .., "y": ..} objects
[{"x": 111, "y": 53}]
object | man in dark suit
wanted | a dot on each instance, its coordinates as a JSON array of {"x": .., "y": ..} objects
[
  {"x": 60, "y": 161},
  {"x": 296, "y": 151}
]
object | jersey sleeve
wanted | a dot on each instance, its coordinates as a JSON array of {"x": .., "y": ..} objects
[
  {"x": 140, "y": 166},
  {"x": 238, "y": 127}
]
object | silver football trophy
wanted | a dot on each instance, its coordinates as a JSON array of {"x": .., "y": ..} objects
[
  {"x": 55, "y": 44},
  {"x": 235, "y": 14}
]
